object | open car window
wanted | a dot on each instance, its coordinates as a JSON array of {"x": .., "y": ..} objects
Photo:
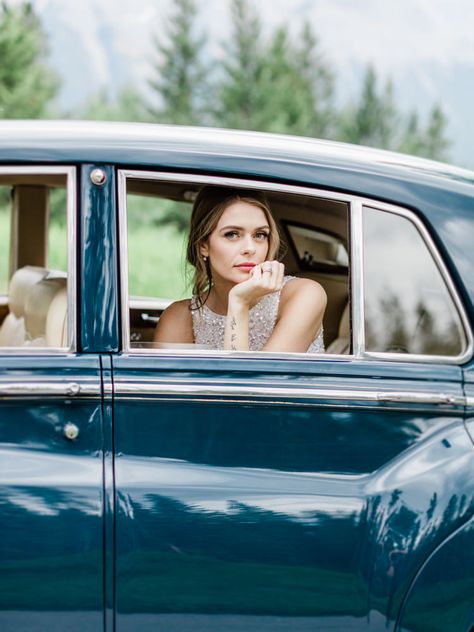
[{"x": 157, "y": 217}]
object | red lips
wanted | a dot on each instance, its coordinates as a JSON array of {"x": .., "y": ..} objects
[{"x": 246, "y": 266}]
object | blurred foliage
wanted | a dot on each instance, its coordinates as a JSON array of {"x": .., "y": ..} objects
[
  {"x": 272, "y": 82},
  {"x": 261, "y": 79},
  {"x": 27, "y": 85},
  {"x": 374, "y": 120},
  {"x": 280, "y": 86},
  {"x": 127, "y": 105},
  {"x": 179, "y": 76}
]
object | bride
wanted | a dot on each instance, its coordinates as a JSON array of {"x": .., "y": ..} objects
[{"x": 242, "y": 299}]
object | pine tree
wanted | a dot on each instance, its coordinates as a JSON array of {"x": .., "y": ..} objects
[
  {"x": 374, "y": 119},
  {"x": 239, "y": 93},
  {"x": 275, "y": 86},
  {"x": 435, "y": 144},
  {"x": 317, "y": 78},
  {"x": 27, "y": 85},
  {"x": 179, "y": 74}
]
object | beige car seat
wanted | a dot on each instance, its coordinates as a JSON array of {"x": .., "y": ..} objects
[
  {"x": 56, "y": 320},
  {"x": 342, "y": 343},
  {"x": 12, "y": 330},
  {"x": 46, "y": 312}
]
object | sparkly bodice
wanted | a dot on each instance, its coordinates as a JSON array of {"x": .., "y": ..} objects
[{"x": 209, "y": 327}]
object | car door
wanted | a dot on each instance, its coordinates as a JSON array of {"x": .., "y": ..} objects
[
  {"x": 258, "y": 491},
  {"x": 53, "y": 417}
]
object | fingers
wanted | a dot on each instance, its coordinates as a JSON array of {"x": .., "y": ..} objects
[{"x": 270, "y": 275}]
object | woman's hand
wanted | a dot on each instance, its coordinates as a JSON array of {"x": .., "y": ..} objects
[{"x": 265, "y": 278}]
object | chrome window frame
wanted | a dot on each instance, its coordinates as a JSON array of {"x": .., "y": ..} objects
[
  {"x": 71, "y": 220},
  {"x": 356, "y": 204}
]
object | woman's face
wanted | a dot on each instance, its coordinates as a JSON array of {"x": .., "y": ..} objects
[{"x": 238, "y": 243}]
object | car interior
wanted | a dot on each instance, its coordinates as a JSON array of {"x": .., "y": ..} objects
[
  {"x": 33, "y": 305},
  {"x": 315, "y": 234}
]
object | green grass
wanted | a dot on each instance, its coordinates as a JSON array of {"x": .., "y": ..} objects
[
  {"x": 156, "y": 258},
  {"x": 4, "y": 249},
  {"x": 57, "y": 247},
  {"x": 156, "y": 262}
]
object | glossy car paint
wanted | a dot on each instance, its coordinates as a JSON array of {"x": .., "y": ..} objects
[
  {"x": 242, "y": 513},
  {"x": 99, "y": 280},
  {"x": 315, "y": 514},
  {"x": 51, "y": 519}
]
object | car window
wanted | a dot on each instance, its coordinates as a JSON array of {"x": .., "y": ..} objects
[
  {"x": 34, "y": 258},
  {"x": 157, "y": 213},
  {"x": 408, "y": 306}
]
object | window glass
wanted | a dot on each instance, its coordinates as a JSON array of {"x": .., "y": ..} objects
[
  {"x": 408, "y": 308},
  {"x": 33, "y": 260}
]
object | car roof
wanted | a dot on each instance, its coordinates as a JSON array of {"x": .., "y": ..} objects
[{"x": 144, "y": 144}]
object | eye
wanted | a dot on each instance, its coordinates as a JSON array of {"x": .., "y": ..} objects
[
  {"x": 231, "y": 234},
  {"x": 261, "y": 235}
]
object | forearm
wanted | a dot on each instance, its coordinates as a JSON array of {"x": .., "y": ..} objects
[{"x": 236, "y": 335}]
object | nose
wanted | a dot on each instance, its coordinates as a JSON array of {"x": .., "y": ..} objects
[{"x": 248, "y": 245}]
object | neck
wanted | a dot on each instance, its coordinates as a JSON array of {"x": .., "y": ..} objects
[{"x": 219, "y": 296}]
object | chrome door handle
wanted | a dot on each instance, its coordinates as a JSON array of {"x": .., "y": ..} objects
[{"x": 419, "y": 398}]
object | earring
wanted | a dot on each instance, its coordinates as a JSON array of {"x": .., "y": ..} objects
[{"x": 204, "y": 258}]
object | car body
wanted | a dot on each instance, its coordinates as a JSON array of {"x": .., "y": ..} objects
[{"x": 174, "y": 487}]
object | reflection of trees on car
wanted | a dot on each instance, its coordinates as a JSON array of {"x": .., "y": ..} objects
[{"x": 399, "y": 328}]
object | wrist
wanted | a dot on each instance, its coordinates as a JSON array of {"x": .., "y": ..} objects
[{"x": 237, "y": 304}]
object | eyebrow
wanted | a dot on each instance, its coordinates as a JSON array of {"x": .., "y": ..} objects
[{"x": 242, "y": 228}]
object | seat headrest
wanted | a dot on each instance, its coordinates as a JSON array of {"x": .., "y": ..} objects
[
  {"x": 38, "y": 303},
  {"x": 20, "y": 284}
]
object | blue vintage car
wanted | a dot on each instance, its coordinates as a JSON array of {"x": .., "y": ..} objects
[{"x": 152, "y": 487}]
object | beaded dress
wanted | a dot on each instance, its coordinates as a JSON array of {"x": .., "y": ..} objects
[{"x": 209, "y": 327}]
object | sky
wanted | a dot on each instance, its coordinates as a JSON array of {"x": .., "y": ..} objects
[{"x": 425, "y": 46}]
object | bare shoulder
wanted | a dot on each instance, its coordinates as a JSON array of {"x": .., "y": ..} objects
[
  {"x": 175, "y": 324},
  {"x": 303, "y": 292},
  {"x": 178, "y": 309}
]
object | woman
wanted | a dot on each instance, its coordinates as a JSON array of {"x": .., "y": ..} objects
[{"x": 241, "y": 299}]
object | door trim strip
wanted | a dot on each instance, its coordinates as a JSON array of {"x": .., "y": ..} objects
[
  {"x": 193, "y": 390},
  {"x": 50, "y": 388}
]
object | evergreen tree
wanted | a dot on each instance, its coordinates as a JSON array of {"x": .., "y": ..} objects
[
  {"x": 239, "y": 93},
  {"x": 317, "y": 76},
  {"x": 179, "y": 73},
  {"x": 296, "y": 87},
  {"x": 27, "y": 85},
  {"x": 277, "y": 86},
  {"x": 435, "y": 144},
  {"x": 374, "y": 120}
]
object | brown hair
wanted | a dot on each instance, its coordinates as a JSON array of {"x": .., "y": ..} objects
[{"x": 210, "y": 204}]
